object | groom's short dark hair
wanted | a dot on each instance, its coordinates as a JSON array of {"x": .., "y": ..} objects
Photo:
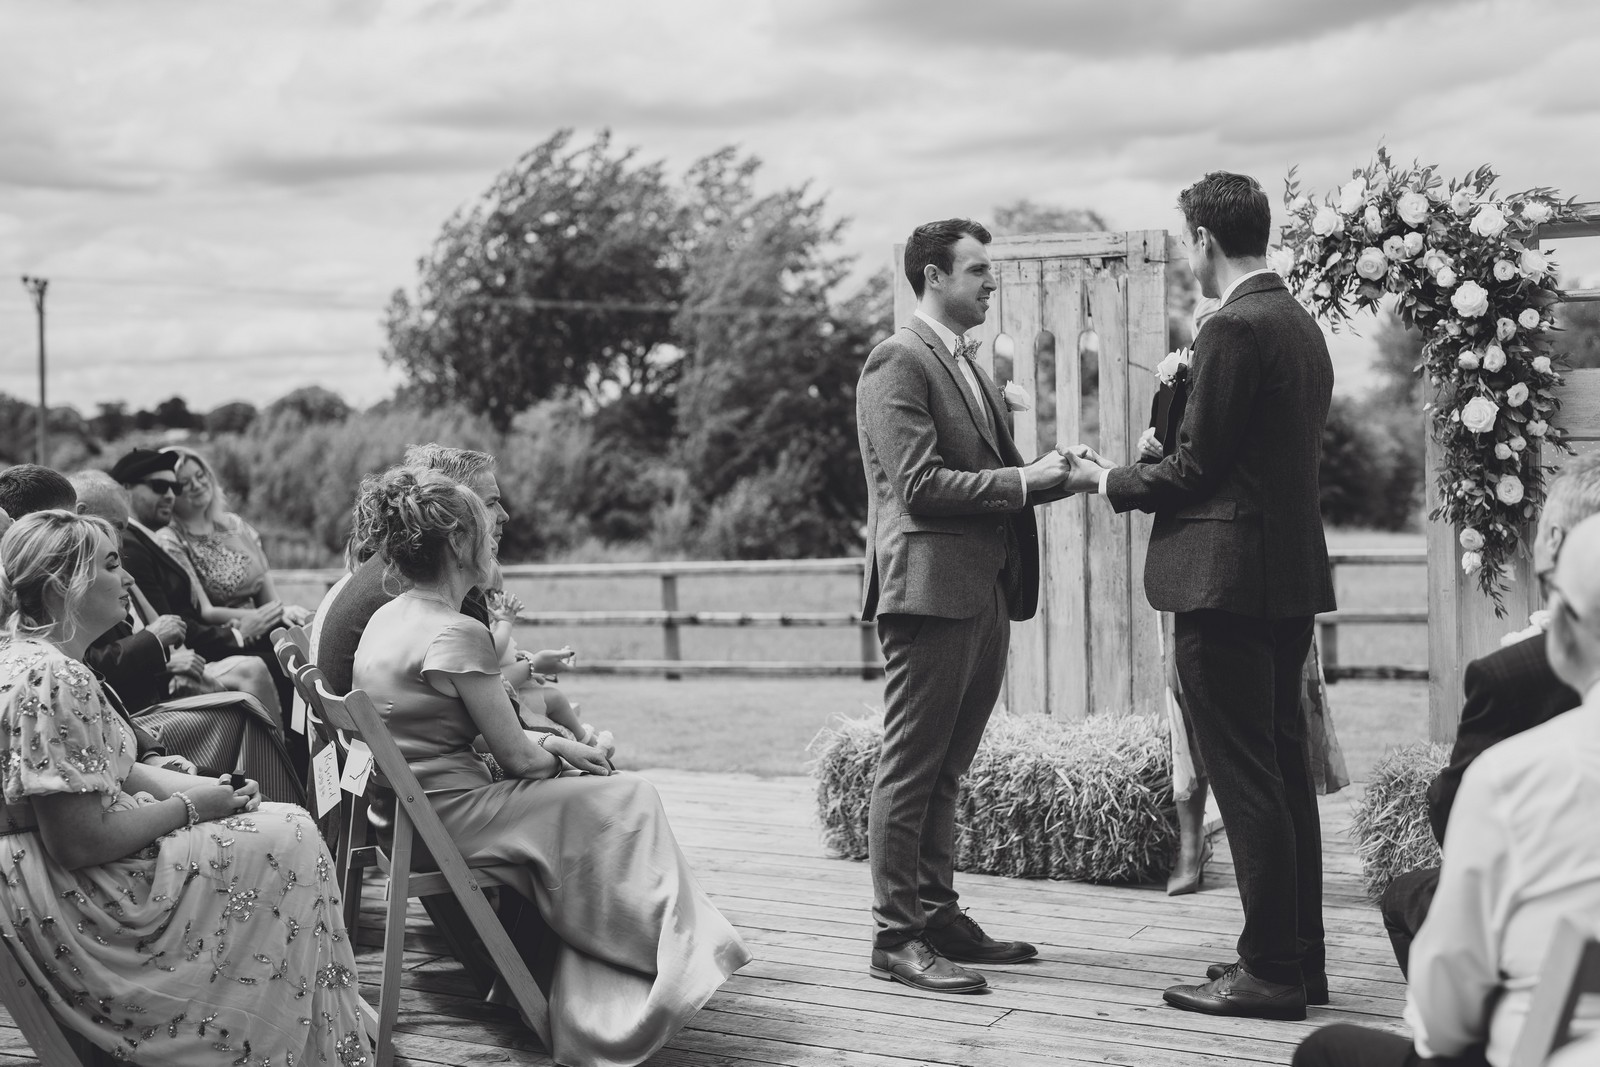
[
  {"x": 932, "y": 242},
  {"x": 1233, "y": 209}
]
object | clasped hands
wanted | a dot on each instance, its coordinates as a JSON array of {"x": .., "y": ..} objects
[{"x": 1077, "y": 468}]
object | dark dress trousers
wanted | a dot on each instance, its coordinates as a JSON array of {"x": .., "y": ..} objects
[
  {"x": 952, "y": 558},
  {"x": 1506, "y": 692},
  {"x": 1237, "y": 554}
]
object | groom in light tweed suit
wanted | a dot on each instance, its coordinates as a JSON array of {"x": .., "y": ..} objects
[{"x": 952, "y": 557}]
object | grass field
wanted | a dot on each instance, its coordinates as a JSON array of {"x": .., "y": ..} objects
[{"x": 763, "y": 726}]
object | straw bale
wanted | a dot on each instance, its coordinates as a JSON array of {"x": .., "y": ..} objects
[
  {"x": 1089, "y": 801},
  {"x": 1390, "y": 825}
]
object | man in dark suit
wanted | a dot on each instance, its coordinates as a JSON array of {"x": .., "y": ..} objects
[
  {"x": 1506, "y": 692},
  {"x": 952, "y": 557},
  {"x": 1237, "y": 554}
]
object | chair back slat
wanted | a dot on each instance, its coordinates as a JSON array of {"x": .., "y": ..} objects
[
  {"x": 292, "y": 647},
  {"x": 1570, "y": 969}
]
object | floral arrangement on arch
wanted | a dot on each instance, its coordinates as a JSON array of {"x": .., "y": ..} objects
[{"x": 1455, "y": 260}]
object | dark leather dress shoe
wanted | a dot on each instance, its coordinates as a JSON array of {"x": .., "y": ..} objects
[
  {"x": 965, "y": 942},
  {"x": 1238, "y": 992},
  {"x": 1316, "y": 986},
  {"x": 917, "y": 965}
]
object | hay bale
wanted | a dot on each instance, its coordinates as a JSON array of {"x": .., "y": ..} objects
[
  {"x": 1390, "y": 825},
  {"x": 1089, "y": 801}
]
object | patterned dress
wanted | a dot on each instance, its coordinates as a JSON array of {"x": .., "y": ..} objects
[
  {"x": 228, "y": 563},
  {"x": 221, "y": 944}
]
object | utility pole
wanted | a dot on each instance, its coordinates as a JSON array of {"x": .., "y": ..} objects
[{"x": 36, "y": 288}]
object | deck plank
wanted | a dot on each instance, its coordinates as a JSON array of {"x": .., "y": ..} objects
[{"x": 806, "y": 1000}]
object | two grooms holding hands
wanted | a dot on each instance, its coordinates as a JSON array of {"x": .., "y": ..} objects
[
  {"x": 952, "y": 557},
  {"x": 1237, "y": 554}
]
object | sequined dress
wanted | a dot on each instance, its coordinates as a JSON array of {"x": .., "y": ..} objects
[{"x": 222, "y": 944}]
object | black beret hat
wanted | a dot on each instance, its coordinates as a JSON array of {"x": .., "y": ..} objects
[{"x": 139, "y": 464}]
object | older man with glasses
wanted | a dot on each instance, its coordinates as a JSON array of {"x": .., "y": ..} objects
[{"x": 1520, "y": 855}]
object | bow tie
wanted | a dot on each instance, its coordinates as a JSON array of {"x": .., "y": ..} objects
[{"x": 966, "y": 349}]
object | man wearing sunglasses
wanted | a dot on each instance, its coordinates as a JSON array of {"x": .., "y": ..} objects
[{"x": 1506, "y": 692}]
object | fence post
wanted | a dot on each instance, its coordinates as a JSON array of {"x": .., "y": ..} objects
[
  {"x": 1328, "y": 649},
  {"x": 669, "y": 628}
]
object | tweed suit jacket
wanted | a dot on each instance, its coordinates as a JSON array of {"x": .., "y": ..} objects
[
  {"x": 167, "y": 586},
  {"x": 1510, "y": 690},
  {"x": 946, "y": 511},
  {"x": 1238, "y": 521}
]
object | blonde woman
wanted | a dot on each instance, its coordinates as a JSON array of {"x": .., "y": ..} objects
[{"x": 169, "y": 919}]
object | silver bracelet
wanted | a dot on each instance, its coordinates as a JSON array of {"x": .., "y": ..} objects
[{"x": 188, "y": 806}]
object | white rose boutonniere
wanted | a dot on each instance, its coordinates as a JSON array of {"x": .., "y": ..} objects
[
  {"x": 1470, "y": 301},
  {"x": 1509, "y": 489},
  {"x": 1479, "y": 413},
  {"x": 1412, "y": 207},
  {"x": 1489, "y": 222},
  {"x": 1174, "y": 366},
  {"x": 1017, "y": 398}
]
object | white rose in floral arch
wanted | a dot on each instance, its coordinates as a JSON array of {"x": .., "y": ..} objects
[
  {"x": 1504, "y": 270},
  {"x": 1478, "y": 414},
  {"x": 1471, "y": 562},
  {"x": 1537, "y": 211},
  {"x": 1517, "y": 395},
  {"x": 1414, "y": 242},
  {"x": 1533, "y": 264},
  {"x": 1508, "y": 490},
  {"x": 1412, "y": 207},
  {"x": 1505, "y": 329},
  {"x": 1445, "y": 278},
  {"x": 1326, "y": 222},
  {"x": 1280, "y": 261},
  {"x": 1542, "y": 364},
  {"x": 1394, "y": 246},
  {"x": 1502, "y": 451},
  {"x": 1529, "y": 319},
  {"x": 1351, "y": 194},
  {"x": 1538, "y": 428},
  {"x": 1461, "y": 200},
  {"x": 1436, "y": 261},
  {"x": 1298, "y": 204},
  {"x": 1468, "y": 360},
  {"x": 1323, "y": 290},
  {"x": 1494, "y": 359},
  {"x": 1470, "y": 301},
  {"x": 1518, "y": 443},
  {"x": 1372, "y": 219},
  {"x": 1372, "y": 264},
  {"x": 1471, "y": 539},
  {"x": 1489, "y": 222}
]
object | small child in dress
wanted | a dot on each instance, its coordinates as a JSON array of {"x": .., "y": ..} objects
[{"x": 529, "y": 676}]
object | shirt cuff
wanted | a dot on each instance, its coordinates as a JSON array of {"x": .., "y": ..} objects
[
  {"x": 1101, "y": 488},
  {"x": 1024, "y": 477}
]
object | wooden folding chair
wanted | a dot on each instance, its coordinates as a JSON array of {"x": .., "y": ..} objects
[
  {"x": 356, "y": 715},
  {"x": 39, "y": 1027},
  {"x": 1571, "y": 968}
]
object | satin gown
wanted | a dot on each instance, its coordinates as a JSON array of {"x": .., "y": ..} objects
[{"x": 640, "y": 946}]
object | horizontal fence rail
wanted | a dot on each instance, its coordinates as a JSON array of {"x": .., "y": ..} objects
[{"x": 670, "y": 618}]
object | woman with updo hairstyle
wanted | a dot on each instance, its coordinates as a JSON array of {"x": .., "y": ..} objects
[
  {"x": 638, "y": 945},
  {"x": 166, "y": 918}
]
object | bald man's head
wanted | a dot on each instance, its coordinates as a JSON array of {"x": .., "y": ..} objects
[
  {"x": 1574, "y": 642},
  {"x": 100, "y": 494}
]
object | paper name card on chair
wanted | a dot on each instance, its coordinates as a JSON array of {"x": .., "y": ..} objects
[
  {"x": 325, "y": 779},
  {"x": 357, "y": 768}
]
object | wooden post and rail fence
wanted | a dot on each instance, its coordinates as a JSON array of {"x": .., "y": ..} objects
[{"x": 671, "y": 619}]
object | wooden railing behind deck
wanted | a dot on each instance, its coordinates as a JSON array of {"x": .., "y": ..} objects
[{"x": 670, "y": 618}]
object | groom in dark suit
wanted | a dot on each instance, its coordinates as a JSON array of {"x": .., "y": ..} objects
[
  {"x": 1237, "y": 554},
  {"x": 952, "y": 558}
]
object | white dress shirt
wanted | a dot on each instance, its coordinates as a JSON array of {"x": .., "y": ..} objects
[
  {"x": 1240, "y": 280},
  {"x": 951, "y": 342},
  {"x": 1520, "y": 853}
]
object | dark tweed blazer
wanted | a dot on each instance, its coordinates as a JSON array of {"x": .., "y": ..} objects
[
  {"x": 1508, "y": 691},
  {"x": 946, "y": 512},
  {"x": 1238, "y": 522}
]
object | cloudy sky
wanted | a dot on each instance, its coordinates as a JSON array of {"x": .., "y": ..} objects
[{"x": 224, "y": 195}]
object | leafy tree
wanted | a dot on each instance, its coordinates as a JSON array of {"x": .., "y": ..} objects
[
  {"x": 233, "y": 417},
  {"x": 1399, "y": 354},
  {"x": 1580, "y": 339},
  {"x": 174, "y": 414},
  {"x": 309, "y": 405},
  {"x": 562, "y": 276},
  {"x": 112, "y": 421}
]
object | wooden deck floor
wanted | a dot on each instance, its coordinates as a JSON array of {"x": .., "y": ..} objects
[{"x": 1093, "y": 996}]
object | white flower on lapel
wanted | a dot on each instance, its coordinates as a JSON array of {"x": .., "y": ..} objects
[
  {"x": 1176, "y": 363},
  {"x": 1017, "y": 398}
]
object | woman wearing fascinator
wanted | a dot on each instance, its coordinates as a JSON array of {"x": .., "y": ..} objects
[{"x": 1189, "y": 785}]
